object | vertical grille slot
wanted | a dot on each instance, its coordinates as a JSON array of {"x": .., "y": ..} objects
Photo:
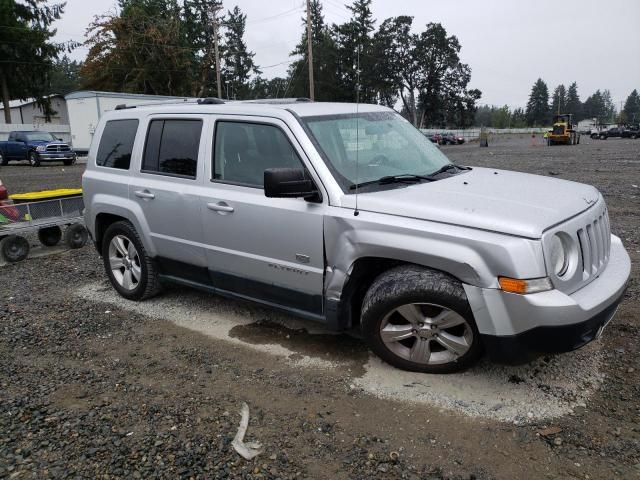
[{"x": 595, "y": 243}]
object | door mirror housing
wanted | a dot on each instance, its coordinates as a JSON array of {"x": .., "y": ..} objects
[{"x": 290, "y": 183}]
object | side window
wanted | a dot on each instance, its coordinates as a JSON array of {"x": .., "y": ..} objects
[
  {"x": 243, "y": 151},
  {"x": 116, "y": 144},
  {"x": 172, "y": 147},
  {"x": 12, "y": 137}
]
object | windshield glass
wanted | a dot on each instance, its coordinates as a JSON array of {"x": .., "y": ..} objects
[
  {"x": 384, "y": 144},
  {"x": 40, "y": 137}
]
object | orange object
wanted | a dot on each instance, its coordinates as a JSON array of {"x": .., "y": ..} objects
[{"x": 513, "y": 285}]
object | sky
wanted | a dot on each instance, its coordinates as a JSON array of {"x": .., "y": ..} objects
[{"x": 507, "y": 43}]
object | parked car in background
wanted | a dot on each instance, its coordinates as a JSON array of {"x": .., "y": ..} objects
[
  {"x": 631, "y": 131},
  {"x": 37, "y": 147},
  {"x": 452, "y": 139},
  {"x": 355, "y": 221}
]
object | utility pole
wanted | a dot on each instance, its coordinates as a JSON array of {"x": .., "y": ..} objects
[
  {"x": 215, "y": 9},
  {"x": 311, "y": 85}
]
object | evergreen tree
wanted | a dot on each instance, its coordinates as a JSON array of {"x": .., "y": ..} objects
[
  {"x": 518, "y": 118},
  {"x": 26, "y": 51},
  {"x": 238, "y": 61},
  {"x": 631, "y": 110},
  {"x": 64, "y": 76},
  {"x": 354, "y": 45},
  {"x": 609, "y": 106},
  {"x": 538, "y": 105},
  {"x": 200, "y": 34},
  {"x": 594, "y": 106},
  {"x": 559, "y": 100},
  {"x": 574, "y": 105}
]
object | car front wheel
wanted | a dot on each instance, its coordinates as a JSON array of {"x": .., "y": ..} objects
[
  {"x": 419, "y": 320},
  {"x": 131, "y": 271},
  {"x": 34, "y": 159}
]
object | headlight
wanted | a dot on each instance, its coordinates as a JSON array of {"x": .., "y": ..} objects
[
  {"x": 558, "y": 255},
  {"x": 41, "y": 148}
]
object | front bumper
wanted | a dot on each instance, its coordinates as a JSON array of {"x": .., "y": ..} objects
[
  {"x": 516, "y": 328},
  {"x": 55, "y": 156}
]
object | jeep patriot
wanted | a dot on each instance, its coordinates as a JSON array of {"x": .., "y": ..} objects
[{"x": 347, "y": 215}]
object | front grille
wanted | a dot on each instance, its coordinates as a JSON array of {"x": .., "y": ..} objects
[
  {"x": 558, "y": 130},
  {"x": 58, "y": 148},
  {"x": 595, "y": 243}
]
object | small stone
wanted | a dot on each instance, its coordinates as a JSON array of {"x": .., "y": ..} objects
[
  {"x": 557, "y": 441},
  {"x": 630, "y": 370}
]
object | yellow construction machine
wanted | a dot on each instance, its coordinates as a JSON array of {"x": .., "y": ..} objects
[{"x": 564, "y": 132}]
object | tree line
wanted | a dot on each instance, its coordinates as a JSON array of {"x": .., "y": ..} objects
[
  {"x": 165, "y": 47},
  {"x": 541, "y": 107}
]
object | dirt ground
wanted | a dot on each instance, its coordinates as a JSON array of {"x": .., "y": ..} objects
[{"x": 94, "y": 387}]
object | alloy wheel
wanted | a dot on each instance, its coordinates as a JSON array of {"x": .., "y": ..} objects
[
  {"x": 124, "y": 262},
  {"x": 426, "y": 333}
]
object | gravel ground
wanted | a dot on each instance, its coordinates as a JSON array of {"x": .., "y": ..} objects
[{"x": 95, "y": 389}]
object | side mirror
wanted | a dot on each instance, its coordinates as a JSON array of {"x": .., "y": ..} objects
[
  {"x": 290, "y": 183},
  {"x": 60, "y": 139}
]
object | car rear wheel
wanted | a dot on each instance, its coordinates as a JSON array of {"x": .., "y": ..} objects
[
  {"x": 131, "y": 271},
  {"x": 419, "y": 320},
  {"x": 34, "y": 159},
  {"x": 3, "y": 160}
]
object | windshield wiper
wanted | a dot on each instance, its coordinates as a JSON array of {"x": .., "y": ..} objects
[
  {"x": 409, "y": 177},
  {"x": 447, "y": 167},
  {"x": 404, "y": 177}
]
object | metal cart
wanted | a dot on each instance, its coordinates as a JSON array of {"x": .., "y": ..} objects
[{"x": 46, "y": 217}]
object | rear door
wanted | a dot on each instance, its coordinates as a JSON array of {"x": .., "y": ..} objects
[
  {"x": 270, "y": 249},
  {"x": 165, "y": 188}
]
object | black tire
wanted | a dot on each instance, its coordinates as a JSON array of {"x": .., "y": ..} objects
[
  {"x": 4, "y": 161},
  {"x": 76, "y": 236},
  {"x": 69, "y": 162},
  {"x": 14, "y": 248},
  {"x": 50, "y": 236},
  {"x": 410, "y": 284},
  {"x": 149, "y": 285},
  {"x": 34, "y": 159}
]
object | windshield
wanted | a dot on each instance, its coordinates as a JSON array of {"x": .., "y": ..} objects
[
  {"x": 384, "y": 144},
  {"x": 40, "y": 137}
]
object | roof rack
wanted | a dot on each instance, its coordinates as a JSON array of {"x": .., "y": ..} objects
[
  {"x": 278, "y": 101},
  {"x": 216, "y": 101}
]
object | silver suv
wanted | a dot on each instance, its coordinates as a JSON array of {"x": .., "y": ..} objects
[{"x": 348, "y": 215}]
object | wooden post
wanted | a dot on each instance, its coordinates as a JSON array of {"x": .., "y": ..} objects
[{"x": 310, "y": 49}]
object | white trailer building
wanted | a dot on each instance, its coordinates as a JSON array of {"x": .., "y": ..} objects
[{"x": 86, "y": 107}]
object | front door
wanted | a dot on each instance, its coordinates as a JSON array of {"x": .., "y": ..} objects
[{"x": 269, "y": 249}]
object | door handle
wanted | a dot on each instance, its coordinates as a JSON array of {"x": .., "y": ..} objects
[
  {"x": 220, "y": 207},
  {"x": 144, "y": 194}
]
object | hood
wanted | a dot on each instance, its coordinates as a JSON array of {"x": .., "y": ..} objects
[
  {"x": 496, "y": 200},
  {"x": 46, "y": 142}
]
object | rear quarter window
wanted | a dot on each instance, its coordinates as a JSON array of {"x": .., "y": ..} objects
[
  {"x": 172, "y": 147},
  {"x": 116, "y": 144}
]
